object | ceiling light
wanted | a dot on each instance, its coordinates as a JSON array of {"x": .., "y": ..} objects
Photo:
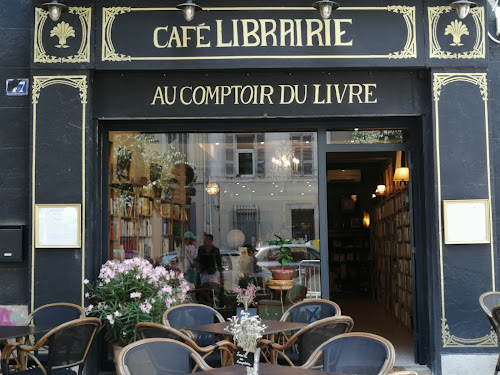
[
  {"x": 463, "y": 7},
  {"x": 212, "y": 188}
]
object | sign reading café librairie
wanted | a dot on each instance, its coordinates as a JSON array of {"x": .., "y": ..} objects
[{"x": 234, "y": 34}]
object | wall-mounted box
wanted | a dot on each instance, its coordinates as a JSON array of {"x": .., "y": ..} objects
[{"x": 11, "y": 243}]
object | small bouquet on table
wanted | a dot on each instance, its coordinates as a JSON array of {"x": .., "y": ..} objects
[
  {"x": 246, "y": 331},
  {"x": 246, "y": 296}
]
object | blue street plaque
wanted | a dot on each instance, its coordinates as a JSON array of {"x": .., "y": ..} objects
[{"x": 17, "y": 87}]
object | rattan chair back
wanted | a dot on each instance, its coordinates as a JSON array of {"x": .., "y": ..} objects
[
  {"x": 311, "y": 310},
  {"x": 354, "y": 353},
  {"x": 158, "y": 356}
]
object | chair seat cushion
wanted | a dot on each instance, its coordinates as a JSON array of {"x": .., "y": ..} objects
[{"x": 38, "y": 371}]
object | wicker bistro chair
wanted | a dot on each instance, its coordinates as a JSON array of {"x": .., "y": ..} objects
[
  {"x": 495, "y": 322},
  {"x": 354, "y": 353},
  {"x": 311, "y": 310},
  {"x": 147, "y": 330},
  {"x": 158, "y": 356},
  {"x": 68, "y": 346},
  {"x": 308, "y": 339},
  {"x": 193, "y": 314},
  {"x": 488, "y": 301}
]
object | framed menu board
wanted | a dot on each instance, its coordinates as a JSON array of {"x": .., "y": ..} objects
[
  {"x": 58, "y": 226},
  {"x": 466, "y": 221}
]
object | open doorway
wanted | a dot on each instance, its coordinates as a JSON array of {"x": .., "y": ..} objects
[{"x": 370, "y": 244}]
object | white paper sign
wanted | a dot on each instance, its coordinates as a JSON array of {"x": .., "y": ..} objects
[
  {"x": 58, "y": 226},
  {"x": 466, "y": 221}
]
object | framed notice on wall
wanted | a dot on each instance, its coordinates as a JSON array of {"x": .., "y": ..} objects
[
  {"x": 466, "y": 221},
  {"x": 58, "y": 225}
]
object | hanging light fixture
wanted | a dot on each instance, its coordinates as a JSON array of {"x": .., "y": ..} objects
[
  {"x": 189, "y": 8},
  {"x": 212, "y": 188},
  {"x": 402, "y": 173},
  {"x": 380, "y": 189},
  {"x": 55, "y": 8},
  {"x": 325, "y": 7},
  {"x": 463, "y": 7}
]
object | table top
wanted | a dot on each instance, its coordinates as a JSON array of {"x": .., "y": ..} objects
[
  {"x": 267, "y": 369},
  {"x": 273, "y": 326},
  {"x": 14, "y": 332}
]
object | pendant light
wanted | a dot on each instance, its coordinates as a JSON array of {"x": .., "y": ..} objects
[
  {"x": 463, "y": 7},
  {"x": 325, "y": 7},
  {"x": 402, "y": 173},
  {"x": 189, "y": 8},
  {"x": 55, "y": 8}
]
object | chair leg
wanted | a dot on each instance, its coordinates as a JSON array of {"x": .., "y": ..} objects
[{"x": 497, "y": 367}]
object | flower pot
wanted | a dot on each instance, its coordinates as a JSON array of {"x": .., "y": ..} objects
[{"x": 282, "y": 273}]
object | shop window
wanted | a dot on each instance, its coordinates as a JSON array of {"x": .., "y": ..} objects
[{"x": 357, "y": 136}]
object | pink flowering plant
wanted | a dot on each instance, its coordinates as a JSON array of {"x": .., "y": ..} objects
[
  {"x": 130, "y": 292},
  {"x": 246, "y": 296}
]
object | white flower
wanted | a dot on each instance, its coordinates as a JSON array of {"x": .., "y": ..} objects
[
  {"x": 117, "y": 314},
  {"x": 86, "y": 281},
  {"x": 87, "y": 295},
  {"x": 135, "y": 295},
  {"x": 89, "y": 309},
  {"x": 111, "y": 319}
]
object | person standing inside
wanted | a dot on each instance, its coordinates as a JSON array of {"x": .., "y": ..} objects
[
  {"x": 191, "y": 253},
  {"x": 209, "y": 262}
]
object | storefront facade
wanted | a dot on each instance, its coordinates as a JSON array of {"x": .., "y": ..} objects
[{"x": 265, "y": 75}]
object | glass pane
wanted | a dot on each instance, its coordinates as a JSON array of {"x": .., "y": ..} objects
[
  {"x": 355, "y": 136},
  {"x": 245, "y": 162},
  {"x": 166, "y": 190}
]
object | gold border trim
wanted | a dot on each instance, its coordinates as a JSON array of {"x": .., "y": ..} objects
[
  {"x": 78, "y": 244},
  {"x": 435, "y": 51},
  {"x": 109, "y": 53},
  {"x": 40, "y": 82},
  {"x": 439, "y": 81},
  {"x": 83, "y": 54}
]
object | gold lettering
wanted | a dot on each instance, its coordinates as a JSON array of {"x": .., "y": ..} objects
[
  {"x": 226, "y": 91},
  {"x": 174, "y": 36},
  {"x": 340, "y": 98},
  {"x": 250, "y": 33},
  {"x": 155, "y": 37},
  {"x": 236, "y": 93},
  {"x": 328, "y": 32},
  {"x": 200, "y": 38},
  {"x": 255, "y": 96},
  {"x": 220, "y": 43},
  {"x": 298, "y": 24},
  {"x": 185, "y": 34},
  {"x": 182, "y": 95},
  {"x": 174, "y": 96},
  {"x": 369, "y": 93},
  {"x": 266, "y": 33},
  {"x": 250, "y": 97},
  {"x": 158, "y": 95},
  {"x": 339, "y": 32},
  {"x": 317, "y": 32},
  {"x": 292, "y": 94},
  {"x": 236, "y": 41},
  {"x": 268, "y": 95},
  {"x": 317, "y": 88},
  {"x": 329, "y": 93},
  {"x": 203, "y": 93},
  {"x": 297, "y": 94},
  {"x": 352, "y": 94},
  {"x": 284, "y": 32},
  {"x": 213, "y": 94}
]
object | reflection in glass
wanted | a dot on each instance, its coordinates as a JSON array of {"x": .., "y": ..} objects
[
  {"x": 158, "y": 196},
  {"x": 356, "y": 136}
]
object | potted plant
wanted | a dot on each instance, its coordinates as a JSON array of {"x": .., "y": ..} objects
[
  {"x": 130, "y": 292},
  {"x": 246, "y": 296},
  {"x": 284, "y": 258}
]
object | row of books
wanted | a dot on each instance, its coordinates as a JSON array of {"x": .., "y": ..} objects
[
  {"x": 173, "y": 211},
  {"x": 144, "y": 227},
  {"x": 144, "y": 206}
]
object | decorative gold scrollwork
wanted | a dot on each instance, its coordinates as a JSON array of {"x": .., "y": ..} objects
[
  {"x": 108, "y": 49},
  {"x": 83, "y": 54}
]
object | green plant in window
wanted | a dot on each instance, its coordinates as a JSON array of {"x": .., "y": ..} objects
[{"x": 285, "y": 255}]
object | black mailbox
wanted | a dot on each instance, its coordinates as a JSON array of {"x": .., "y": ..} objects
[{"x": 11, "y": 243}]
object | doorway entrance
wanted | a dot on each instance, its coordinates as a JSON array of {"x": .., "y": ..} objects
[{"x": 371, "y": 239}]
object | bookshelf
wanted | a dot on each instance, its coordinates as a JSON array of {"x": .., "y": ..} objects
[{"x": 391, "y": 242}]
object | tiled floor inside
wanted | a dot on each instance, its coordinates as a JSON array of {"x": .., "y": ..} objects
[{"x": 370, "y": 317}]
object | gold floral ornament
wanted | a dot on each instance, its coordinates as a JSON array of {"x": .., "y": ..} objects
[
  {"x": 457, "y": 29},
  {"x": 63, "y": 31}
]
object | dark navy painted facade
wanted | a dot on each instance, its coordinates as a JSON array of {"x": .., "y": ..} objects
[{"x": 69, "y": 117}]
